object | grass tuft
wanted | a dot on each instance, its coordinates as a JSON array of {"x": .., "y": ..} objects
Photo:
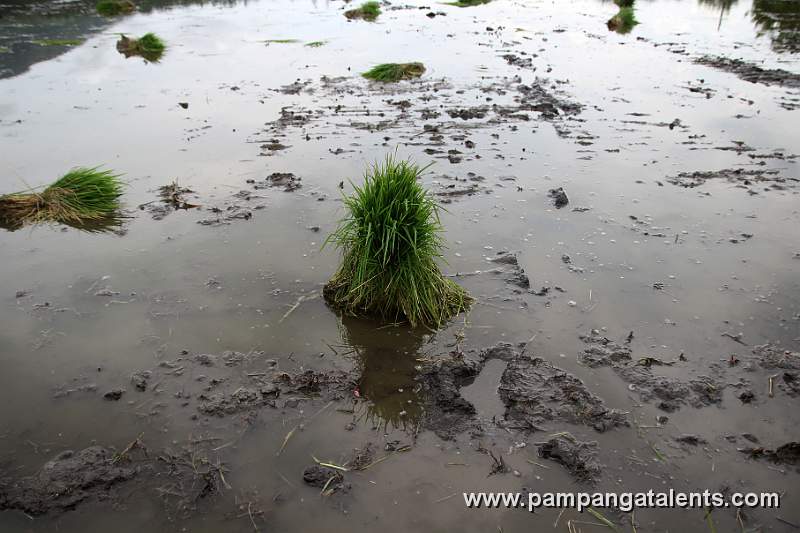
[
  {"x": 316, "y": 44},
  {"x": 81, "y": 196},
  {"x": 149, "y": 46},
  {"x": 624, "y": 3},
  {"x": 468, "y": 3},
  {"x": 59, "y": 42},
  {"x": 392, "y": 72},
  {"x": 113, "y": 8},
  {"x": 368, "y": 11},
  {"x": 624, "y": 21},
  {"x": 390, "y": 241}
]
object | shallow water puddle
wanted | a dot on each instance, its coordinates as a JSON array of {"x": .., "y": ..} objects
[{"x": 482, "y": 393}]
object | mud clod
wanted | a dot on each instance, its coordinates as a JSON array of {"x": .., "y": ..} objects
[
  {"x": 559, "y": 197},
  {"x": 243, "y": 399},
  {"x": 788, "y": 453},
  {"x": 691, "y": 440},
  {"x": 140, "y": 379},
  {"x": 447, "y": 413},
  {"x": 670, "y": 394},
  {"x": 535, "y": 393},
  {"x": 322, "y": 476},
  {"x": 114, "y": 395},
  {"x": 513, "y": 273},
  {"x": 288, "y": 181},
  {"x": 751, "y": 72},
  {"x": 579, "y": 458},
  {"x": 66, "y": 481},
  {"x": 738, "y": 176},
  {"x": 771, "y": 357}
]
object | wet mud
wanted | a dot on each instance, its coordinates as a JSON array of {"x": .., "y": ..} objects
[{"x": 635, "y": 317}]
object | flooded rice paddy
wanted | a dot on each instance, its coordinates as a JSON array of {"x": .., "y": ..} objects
[{"x": 188, "y": 360}]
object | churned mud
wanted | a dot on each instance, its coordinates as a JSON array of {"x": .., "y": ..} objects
[
  {"x": 68, "y": 480},
  {"x": 752, "y": 72}
]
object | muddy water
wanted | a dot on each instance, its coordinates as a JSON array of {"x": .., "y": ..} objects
[{"x": 81, "y": 312}]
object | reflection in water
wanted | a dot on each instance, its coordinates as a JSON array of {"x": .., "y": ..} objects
[
  {"x": 780, "y": 20},
  {"x": 386, "y": 363},
  {"x": 112, "y": 224},
  {"x": 25, "y": 22},
  {"x": 624, "y": 21},
  {"x": 723, "y": 5}
]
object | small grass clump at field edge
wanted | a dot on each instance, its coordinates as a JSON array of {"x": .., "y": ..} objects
[
  {"x": 114, "y": 8},
  {"x": 392, "y": 72},
  {"x": 390, "y": 241}
]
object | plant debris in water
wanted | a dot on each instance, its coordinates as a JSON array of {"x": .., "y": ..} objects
[
  {"x": 390, "y": 242},
  {"x": 113, "y": 8},
  {"x": 368, "y": 11},
  {"x": 81, "y": 196},
  {"x": 468, "y": 3},
  {"x": 59, "y": 42},
  {"x": 392, "y": 72},
  {"x": 281, "y": 41},
  {"x": 624, "y": 21},
  {"x": 149, "y": 46}
]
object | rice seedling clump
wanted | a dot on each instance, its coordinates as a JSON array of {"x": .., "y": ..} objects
[
  {"x": 624, "y": 21},
  {"x": 113, "y": 8},
  {"x": 390, "y": 241},
  {"x": 392, "y": 72},
  {"x": 82, "y": 195},
  {"x": 149, "y": 46},
  {"x": 368, "y": 11}
]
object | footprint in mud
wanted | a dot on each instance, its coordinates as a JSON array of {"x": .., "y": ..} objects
[{"x": 483, "y": 392}]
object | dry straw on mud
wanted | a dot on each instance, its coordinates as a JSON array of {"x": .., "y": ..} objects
[
  {"x": 80, "y": 197},
  {"x": 368, "y": 11},
  {"x": 390, "y": 241},
  {"x": 392, "y": 72}
]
